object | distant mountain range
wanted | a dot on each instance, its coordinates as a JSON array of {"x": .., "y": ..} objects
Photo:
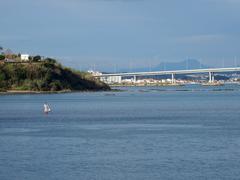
[{"x": 167, "y": 66}]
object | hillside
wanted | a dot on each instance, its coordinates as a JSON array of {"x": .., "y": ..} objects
[{"x": 47, "y": 75}]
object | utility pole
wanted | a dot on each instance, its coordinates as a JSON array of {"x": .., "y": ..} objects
[
  {"x": 235, "y": 61},
  {"x": 164, "y": 66},
  {"x": 115, "y": 68},
  {"x": 150, "y": 67},
  {"x": 130, "y": 67}
]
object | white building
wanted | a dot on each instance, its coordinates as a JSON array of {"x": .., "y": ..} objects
[
  {"x": 24, "y": 57},
  {"x": 111, "y": 79},
  {"x": 107, "y": 79}
]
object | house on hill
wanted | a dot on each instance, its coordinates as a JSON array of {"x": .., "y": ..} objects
[{"x": 25, "y": 57}]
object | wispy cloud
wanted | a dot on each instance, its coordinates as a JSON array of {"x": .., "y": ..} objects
[
  {"x": 13, "y": 38},
  {"x": 201, "y": 38},
  {"x": 229, "y": 2}
]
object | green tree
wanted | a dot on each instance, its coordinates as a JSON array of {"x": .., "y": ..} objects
[
  {"x": 1, "y": 50},
  {"x": 2, "y": 57},
  {"x": 36, "y": 58},
  {"x": 50, "y": 60}
]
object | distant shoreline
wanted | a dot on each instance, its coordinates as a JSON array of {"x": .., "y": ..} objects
[{"x": 12, "y": 92}]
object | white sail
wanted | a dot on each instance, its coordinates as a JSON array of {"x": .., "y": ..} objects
[{"x": 47, "y": 108}]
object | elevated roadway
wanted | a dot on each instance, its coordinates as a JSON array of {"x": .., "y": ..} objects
[
  {"x": 211, "y": 72},
  {"x": 193, "y": 71}
]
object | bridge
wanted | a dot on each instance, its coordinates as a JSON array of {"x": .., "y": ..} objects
[{"x": 210, "y": 71}]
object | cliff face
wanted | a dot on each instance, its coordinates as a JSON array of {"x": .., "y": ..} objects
[{"x": 46, "y": 76}]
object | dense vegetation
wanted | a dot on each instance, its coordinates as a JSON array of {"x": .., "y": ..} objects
[{"x": 47, "y": 75}]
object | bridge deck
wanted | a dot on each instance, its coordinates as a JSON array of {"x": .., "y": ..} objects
[{"x": 194, "y": 71}]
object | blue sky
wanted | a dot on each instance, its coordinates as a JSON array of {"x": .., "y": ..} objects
[{"x": 119, "y": 33}]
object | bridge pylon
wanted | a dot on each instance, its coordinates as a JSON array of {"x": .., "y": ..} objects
[{"x": 211, "y": 77}]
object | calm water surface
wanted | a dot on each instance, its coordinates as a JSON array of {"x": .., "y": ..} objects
[{"x": 139, "y": 134}]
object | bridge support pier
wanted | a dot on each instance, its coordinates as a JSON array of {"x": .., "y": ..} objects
[
  {"x": 134, "y": 79},
  {"x": 173, "y": 79},
  {"x": 211, "y": 77}
]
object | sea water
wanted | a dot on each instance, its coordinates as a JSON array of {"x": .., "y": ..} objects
[{"x": 143, "y": 133}]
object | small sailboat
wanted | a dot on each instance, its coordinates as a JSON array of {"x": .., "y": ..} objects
[{"x": 46, "y": 108}]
